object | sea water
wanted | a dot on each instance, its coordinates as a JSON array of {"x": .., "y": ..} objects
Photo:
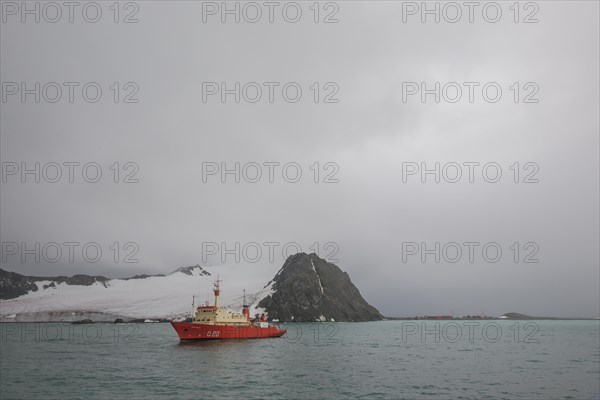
[{"x": 388, "y": 360}]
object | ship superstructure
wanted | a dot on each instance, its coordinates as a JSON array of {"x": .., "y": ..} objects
[{"x": 214, "y": 322}]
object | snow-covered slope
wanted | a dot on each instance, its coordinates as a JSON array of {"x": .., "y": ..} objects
[{"x": 150, "y": 297}]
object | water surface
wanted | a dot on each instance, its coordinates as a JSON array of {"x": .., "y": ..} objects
[{"x": 389, "y": 359}]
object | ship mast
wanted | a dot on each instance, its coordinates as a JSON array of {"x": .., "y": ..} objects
[
  {"x": 217, "y": 291},
  {"x": 245, "y": 309}
]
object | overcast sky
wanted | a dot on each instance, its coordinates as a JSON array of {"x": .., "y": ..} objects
[{"x": 368, "y": 135}]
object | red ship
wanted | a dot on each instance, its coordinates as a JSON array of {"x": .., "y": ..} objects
[{"x": 213, "y": 322}]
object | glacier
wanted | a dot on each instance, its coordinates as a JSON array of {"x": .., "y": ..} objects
[{"x": 150, "y": 297}]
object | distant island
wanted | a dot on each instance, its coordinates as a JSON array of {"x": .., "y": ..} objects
[{"x": 506, "y": 316}]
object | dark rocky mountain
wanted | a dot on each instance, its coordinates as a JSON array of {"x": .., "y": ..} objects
[
  {"x": 13, "y": 285},
  {"x": 189, "y": 270},
  {"x": 308, "y": 288},
  {"x": 142, "y": 276}
]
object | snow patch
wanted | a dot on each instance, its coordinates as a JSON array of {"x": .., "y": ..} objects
[{"x": 318, "y": 278}]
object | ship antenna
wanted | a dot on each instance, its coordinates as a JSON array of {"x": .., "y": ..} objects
[{"x": 244, "y": 304}]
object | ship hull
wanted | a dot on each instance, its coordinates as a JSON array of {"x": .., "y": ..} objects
[{"x": 195, "y": 331}]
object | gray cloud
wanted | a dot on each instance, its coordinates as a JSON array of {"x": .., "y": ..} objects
[{"x": 369, "y": 134}]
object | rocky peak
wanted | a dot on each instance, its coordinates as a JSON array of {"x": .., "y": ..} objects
[
  {"x": 190, "y": 270},
  {"x": 308, "y": 288}
]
